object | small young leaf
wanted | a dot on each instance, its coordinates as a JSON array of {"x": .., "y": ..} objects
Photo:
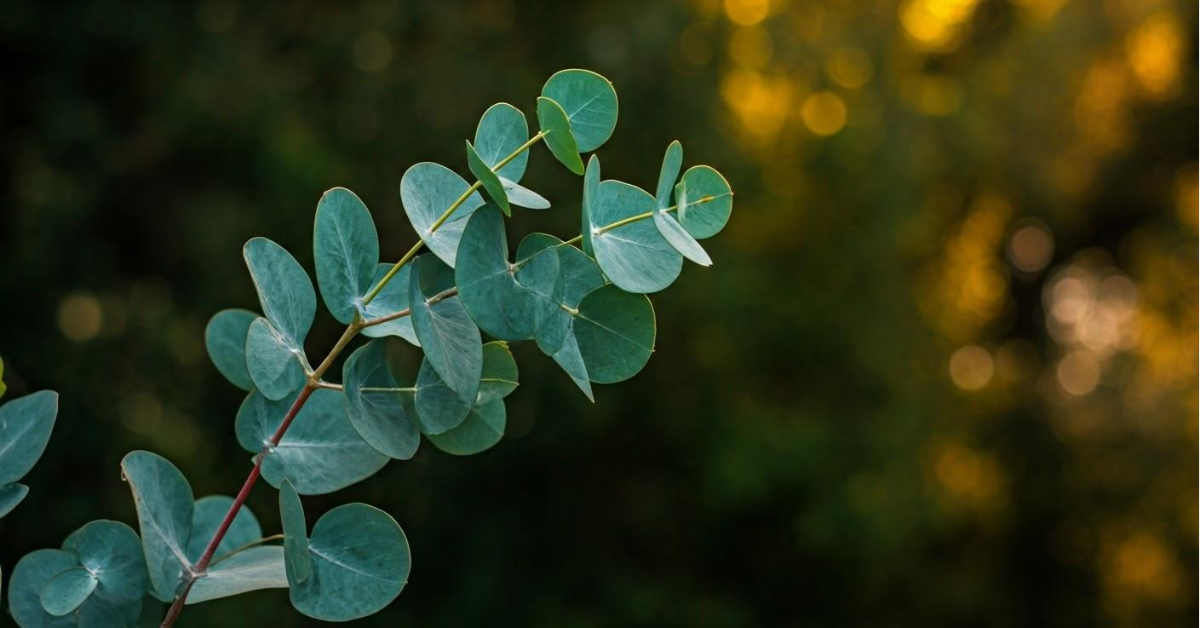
[
  {"x": 112, "y": 552},
  {"x": 523, "y": 197},
  {"x": 225, "y": 339},
  {"x": 448, "y": 335},
  {"x": 676, "y": 235},
  {"x": 491, "y": 183},
  {"x": 615, "y": 331},
  {"x": 10, "y": 496},
  {"x": 275, "y": 365},
  {"x": 392, "y": 299},
  {"x": 590, "y": 103},
  {"x": 439, "y": 408},
  {"x": 67, "y": 590},
  {"x": 634, "y": 255},
  {"x": 554, "y": 123},
  {"x": 501, "y": 131},
  {"x": 28, "y": 579},
  {"x": 480, "y": 431},
  {"x": 709, "y": 202},
  {"x": 164, "y": 503},
  {"x": 207, "y": 515},
  {"x": 360, "y": 563},
  {"x": 295, "y": 534},
  {"x": 25, "y": 427},
  {"x": 345, "y": 251},
  {"x": 383, "y": 416},
  {"x": 284, "y": 289},
  {"x": 251, "y": 569},
  {"x": 320, "y": 453},
  {"x": 427, "y": 190},
  {"x": 668, "y": 174}
]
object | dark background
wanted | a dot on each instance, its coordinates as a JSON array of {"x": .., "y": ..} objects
[{"x": 943, "y": 372}]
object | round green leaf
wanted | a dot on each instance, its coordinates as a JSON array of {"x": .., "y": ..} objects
[
  {"x": 523, "y": 197},
  {"x": 10, "y": 496},
  {"x": 501, "y": 131},
  {"x": 427, "y": 190},
  {"x": 491, "y": 183},
  {"x": 320, "y": 453},
  {"x": 112, "y": 552},
  {"x": 708, "y": 204},
  {"x": 480, "y": 431},
  {"x": 207, "y": 515},
  {"x": 634, "y": 255},
  {"x": 25, "y": 426},
  {"x": 345, "y": 251},
  {"x": 295, "y": 534},
  {"x": 25, "y": 588},
  {"x": 284, "y": 289},
  {"x": 225, "y": 339},
  {"x": 439, "y": 408},
  {"x": 578, "y": 275},
  {"x": 392, "y": 299},
  {"x": 554, "y": 123},
  {"x": 383, "y": 415},
  {"x": 615, "y": 331},
  {"x": 500, "y": 375},
  {"x": 590, "y": 103},
  {"x": 569, "y": 358},
  {"x": 275, "y": 365},
  {"x": 507, "y": 301},
  {"x": 676, "y": 235},
  {"x": 67, "y": 590},
  {"x": 251, "y": 569},
  {"x": 164, "y": 504},
  {"x": 360, "y": 562},
  {"x": 448, "y": 335}
]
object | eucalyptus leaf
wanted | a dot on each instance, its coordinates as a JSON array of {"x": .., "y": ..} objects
[
  {"x": 392, "y": 299},
  {"x": 668, "y": 174},
  {"x": 10, "y": 496},
  {"x": 500, "y": 375},
  {"x": 360, "y": 563},
  {"x": 207, "y": 515},
  {"x": 590, "y": 103},
  {"x": 448, "y": 335},
  {"x": 570, "y": 359},
  {"x": 634, "y": 255},
  {"x": 488, "y": 179},
  {"x": 251, "y": 569},
  {"x": 295, "y": 534},
  {"x": 163, "y": 499},
  {"x": 709, "y": 202},
  {"x": 319, "y": 453},
  {"x": 439, "y": 408},
  {"x": 25, "y": 427},
  {"x": 276, "y": 366},
  {"x": 345, "y": 251},
  {"x": 284, "y": 289},
  {"x": 676, "y": 235},
  {"x": 557, "y": 129},
  {"x": 25, "y": 586},
  {"x": 427, "y": 191},
  {"x": 384, "y": 416},
  {"x": 112, "y": 552},
  {"x": 225, "y": 339},
  {"x": 615, "y": 330},
  {"x": 523, "y": 197},
  {"x": 591, "y": 194},
  {"x": 501, "y": 131},
  {"x": 480, "y": 431},
  {"x": 67, "y": 590}
]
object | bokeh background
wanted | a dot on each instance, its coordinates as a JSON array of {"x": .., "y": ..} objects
[{"x": 943, "y": 372}]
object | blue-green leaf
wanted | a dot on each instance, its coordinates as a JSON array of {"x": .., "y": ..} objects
[
  {"x": 284, "y": 289},
  {"x": 448, "y": 335},
  {"x": 25, "y": 426},
  {"x": 709, "y": 202},
  {"x": 345, "y": 251},
  {"x": 590, "y": 103},
  {"x": 320, "y": 452},
  {"x": 569, "y": 358},
  {"x": 554, "y": 123},
  {"x": 500, "y": 374},
  {"x": 207, "y": 515},
  {"x": 10, "y": 496},
  {"x": 439, "y": 409},
  {"x": 480, "y": 431},
  {"x": 634, "y": 255},
  {"x": 67, "y": 590},
  {"x": 427, "y": 191},
  {"x": 521, "y": 196},
  {"x": 360, "y": 562},
  {"x": 112, "y": 552},
  {"x": 676, "y": 235},
  {"x": 392, "y": 299},
  {"x": 507, "y": 301},
  {"x": 488, "y": 179},
  {"x": 276, "y": 366},
  {"x": 164, "y": 500},
  {"x": 25, "y": 588},
  {"x": 225, "y": 339},
  {"x": 591, "y": 194},
  {"x": 251, "y": 569},
  {"x": 295, "y": 534},
  {"x": 383, "y": 415},
  {"x": 501, "y": 131},
  {"x": 668, "y": 174},
  {"x": 615, "y": 330}
]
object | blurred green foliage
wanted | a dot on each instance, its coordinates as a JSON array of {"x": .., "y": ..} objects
[{"x": 943, "y": 371}]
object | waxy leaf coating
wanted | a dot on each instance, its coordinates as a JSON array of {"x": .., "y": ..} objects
[
  {"x": 360, "y": 563},
  {"x": 591, "y": 193},
  {"x": 488, "y": 179},
  {"x": 439, "y": 408},
  {"x": 25, "y": 427},
  {"x": 28, "y": 579},
  {"x": 383, "y": 416},
  {"x": 676, "y": 235},
  {"x": 276, "y": 366},
  {"x": 67, "y": 590},
  {"x": 483, "y": 426},
  {"x": 709, "y": 202},
  {"x": 590, "y": 103},
  {"x": 448, "y": 335},
  {"x": 251, "y": 569},
  {"x": 345, "y": 251},
  {"x": 112, "y": 553},
  {"x": 163, "y": 499},
  {"x": 557, "y": 128},
  {"x": 207, "y": 515},
  {"x": 392, "y": 299},
  {"x": 634, "y": 256},
  {"x": 523, "y": 197},
  {"x": 615, "y": 330},
  {"x": 295, "y": 534},
  {"x": 10, "y": 496},
  {"x": 284, "y": 289},
  {"x": 427, "y": 191},
  {"x": 501, "y": 131},
  {"x": 225, "y": 339}
]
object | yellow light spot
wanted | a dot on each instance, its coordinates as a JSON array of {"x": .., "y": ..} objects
[
  {"x": 1078, "y": 373},
  {"x": 747, "y": 12},
  {"x": 372, "y": 51},
  {"x": 971, "y": 367},
  {"x": 1031, "y": 247},
  {"x": 936, "y": 25},
  {"x": 824, "y": 113},
  {"x": 850, "y": 68},
  {"x": 1154, "y": 51},
  {"x": 80, "y": 317},
  {"x": 751, "y": 47}
]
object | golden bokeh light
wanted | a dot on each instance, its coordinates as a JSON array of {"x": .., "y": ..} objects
[
  {"x": 80, "y": 317},
  {"x": 750, "y": 47},
  {"x": 824, "y": 113},
  {"x": 850, "y": 67},
  {"x": 1154, "y": 51},
  {"x": 1031, "y": 246},
  {"x": 1078, "y": 372},
  {"x": 971, "y": 367},
  {"x": 936, "y": 25},
  {"x": 747, "y": 12}
]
